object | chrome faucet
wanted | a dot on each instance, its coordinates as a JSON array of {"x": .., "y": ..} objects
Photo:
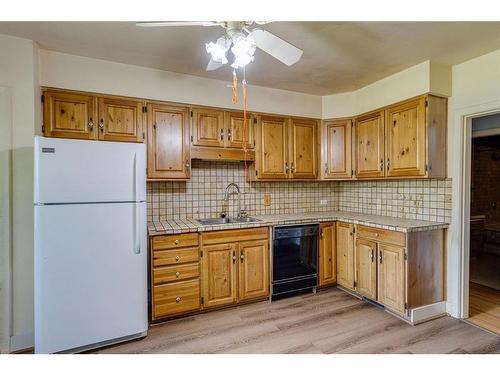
[{"x": 241, "y": 212}]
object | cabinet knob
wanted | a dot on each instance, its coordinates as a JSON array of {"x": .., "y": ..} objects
[
  {"x": 177, "y": 258},
  {"x": 376, "y": 234},
  {"x": 177, "y": 274},
  {"x": 91, "y": 124},
  {"x": 101, "y": 125},
  {"x": 178, "y": 299},
  {"x": 242, "y": 257},
  {"x": 176, "y": 242}
]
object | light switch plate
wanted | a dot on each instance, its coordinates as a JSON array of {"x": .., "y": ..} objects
[{"x": 267, "y": 200}]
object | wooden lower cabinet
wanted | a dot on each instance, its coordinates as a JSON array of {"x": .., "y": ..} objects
[
  {"x": 175, "y": 275},
  {"x": 391, "y": 274},
  {"x": 327, "y": 255},
  {"x": 253, "y": 269},
  {"x": 366, "y": 268},
  {"x": 219, "y": 274},
  {"x": 193, "y": 271},
  {"x": 175, "y": 298},
  {"x": 345, "y": 255},
  {"x": 235, "y": 266}
]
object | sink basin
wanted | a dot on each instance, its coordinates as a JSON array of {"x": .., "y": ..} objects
[{"x": 227, "y": 220}]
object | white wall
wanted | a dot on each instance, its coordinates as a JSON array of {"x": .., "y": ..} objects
[
  {"x": 88, "y": 74},
  {"x": 426, "y": 77},
  {"x": 18, "y": 72},
  {"x": 5, "y": 216},
  {"x": 476, "y": 89}
]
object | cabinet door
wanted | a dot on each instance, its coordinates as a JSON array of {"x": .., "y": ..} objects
[
  {"x": 239, "y": 133},
  {"x": 219, "y": 275},
  {"x": 345, "y": 255},
  {"x": 69, "y": 115},
  {"x": 391, "y": 283},
  {"x": 366, "y": 268},
  {"x": 369, "y": 145},
  {"x": 121, "y": 120},
  {"x": 208, "y": 127},
  {"x": 327, "y": 255},
  {"x": 405, "y": 139},
  {"x": 253, "y": 269},
  {"x": 272, "y": 153},
  {"x": 168, "y": 142},
  {"x": 303, "y": 151},
  {"x": 336, "y": 149}
]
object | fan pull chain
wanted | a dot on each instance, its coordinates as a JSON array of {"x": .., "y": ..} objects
[
  {"x": 245, "y": 122},
  {"x": 235, "y": 88}
]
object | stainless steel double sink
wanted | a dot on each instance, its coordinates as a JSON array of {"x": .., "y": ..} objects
[{"x": 227, "y": 220}]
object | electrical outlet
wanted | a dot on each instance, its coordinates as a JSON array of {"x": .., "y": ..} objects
[
  {"x": 267, "y": 200},
  {"x": 323, "y": 202}
]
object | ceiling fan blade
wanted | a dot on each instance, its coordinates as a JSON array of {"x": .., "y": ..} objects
[
  {"x": 213, "y": 65},
  {"x": 178, "y": 23},
  {"x": 276, "y": 47}
]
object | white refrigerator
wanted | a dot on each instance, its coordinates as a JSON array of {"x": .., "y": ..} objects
[{"x": 90, "y": 244}]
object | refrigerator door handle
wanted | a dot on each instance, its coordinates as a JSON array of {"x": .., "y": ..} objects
[
  {"x": 136, "y": 178},
  {"x": 137, "y": 236},
  {"x": 137, "y": 245}
]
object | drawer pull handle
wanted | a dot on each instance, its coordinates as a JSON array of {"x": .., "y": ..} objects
[
  {"x": 177, "y": 274},
  {"x": 177, "y": 258},
  {"x": 176, "y": 242},
  {"x": 178, "y": 299}
]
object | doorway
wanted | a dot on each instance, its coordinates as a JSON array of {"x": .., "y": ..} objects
[{"x": 484, "y": 246}]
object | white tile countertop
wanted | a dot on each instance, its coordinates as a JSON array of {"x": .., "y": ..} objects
[{"x": 384, "y": 222}]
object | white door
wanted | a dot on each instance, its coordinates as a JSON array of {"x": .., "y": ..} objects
[
  {"x": 90, "y": 274},
  {"x": 73, "y": 171}
]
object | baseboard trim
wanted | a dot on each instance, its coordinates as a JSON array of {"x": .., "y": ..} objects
[
  {"x": 424, "y": 313},
  {"x": 22, "y": 342}
]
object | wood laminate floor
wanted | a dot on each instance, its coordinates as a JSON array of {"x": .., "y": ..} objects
[
  {"x": 484, "y": 307},
  {"x": 331, "y": 321}
]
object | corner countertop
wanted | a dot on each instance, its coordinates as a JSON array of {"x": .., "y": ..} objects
[{"x": 188, "y": 225}]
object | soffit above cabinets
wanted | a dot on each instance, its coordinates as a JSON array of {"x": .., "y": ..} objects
[{"x": 338, "y": 56}]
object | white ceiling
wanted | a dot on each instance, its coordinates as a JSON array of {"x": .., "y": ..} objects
[{"x": 338, "y": 56}]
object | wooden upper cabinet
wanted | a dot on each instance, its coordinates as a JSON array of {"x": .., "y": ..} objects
[
  {"x": 369, "y": 146},
  {"x": 253, "y": 269},
  {"x": 303, "y": 151},
  {"x": 272, "y": 148},
  {"x": 327, "y": 254},
  {"x": 239, "y": 133},
  {"x": 345, "y": 254},
  {"x": 121, "y": 120},
  {"x": 391, "y": 282},
  {"x": 69, "y": 115},
  {"x": 219, "y": 274},
  {"x": 168, "y": 142},
  {"x": 208, "y": 127},
  {"x": 336, "y": 149},
  {"x": 366, "y": 268},
  {"x": 405, "y": 139}
]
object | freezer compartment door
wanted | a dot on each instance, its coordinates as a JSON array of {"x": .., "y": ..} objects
[
  {"x": 90, "y": 274},
  {"x": 74, "y": 171}
]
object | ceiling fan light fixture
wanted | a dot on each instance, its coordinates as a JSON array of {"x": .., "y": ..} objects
[
  {"x": 243, "y": 50},
  {"x": 218, "y": 49}
]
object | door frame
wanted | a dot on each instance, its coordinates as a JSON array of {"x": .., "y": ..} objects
[{"x": 466, "y": 116}]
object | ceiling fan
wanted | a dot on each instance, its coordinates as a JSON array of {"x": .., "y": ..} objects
[{"x": 242, "y": 40}]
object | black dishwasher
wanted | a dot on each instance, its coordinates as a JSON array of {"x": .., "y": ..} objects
[{"x": 295, "y": 260}]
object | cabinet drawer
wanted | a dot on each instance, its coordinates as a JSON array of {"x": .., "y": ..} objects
[
  {"x": 382, "y": 235},
  {"x": 169, "y": 257},
  {"x": 175, "y": 273},
  {"x": 175, "y": 298},
  {"x": 175, "y": 241},
  {"x": 235, "y": 235}
]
